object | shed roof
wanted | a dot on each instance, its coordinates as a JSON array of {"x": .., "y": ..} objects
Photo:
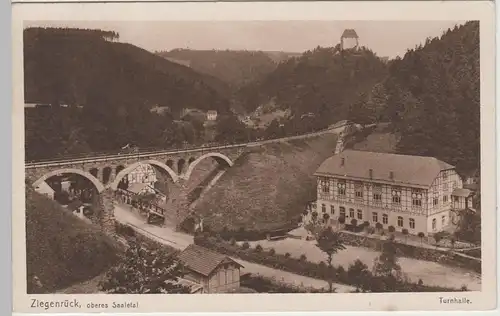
[
  {"x": 203, "y": 260},
  {"x": 137, "y": 187},
  {"x": 408, "y": 170}
]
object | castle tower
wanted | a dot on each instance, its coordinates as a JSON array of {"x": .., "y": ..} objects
[{"x": 349, "y": 39}]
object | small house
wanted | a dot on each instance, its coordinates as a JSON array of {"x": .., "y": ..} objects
[
  {"x": 212, "y": 115},
  {"x": 45, "y": 189},
  {"x": 215, "y": 272}
]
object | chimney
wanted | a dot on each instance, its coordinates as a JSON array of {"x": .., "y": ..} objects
[
  {"x": 391, "y": 175},
  {"x": 370, "y": 171},
  {"x": 342, "y": 161}
]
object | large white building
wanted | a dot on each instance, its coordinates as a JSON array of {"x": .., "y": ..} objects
[{"x": 412, "y": 192}]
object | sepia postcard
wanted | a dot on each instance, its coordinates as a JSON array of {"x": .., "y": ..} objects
[{"x": 246, "y": 157}]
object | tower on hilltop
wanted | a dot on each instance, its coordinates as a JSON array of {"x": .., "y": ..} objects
[{"x": 349, "y": 39}]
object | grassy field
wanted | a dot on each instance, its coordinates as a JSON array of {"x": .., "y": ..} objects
[
  {"x": 268, "y": 188},
  {"x": 62, "y": 250}
]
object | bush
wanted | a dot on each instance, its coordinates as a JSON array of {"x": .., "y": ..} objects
[
  {"x": 303, "y": 257},
  {"x": 354, "y": 222},
  {"x": 287, "y": 255},
  {"x": 392, "y": 229},
  {"x": 258, "y": 248},
  {"x": 379, "y": 226},
  {"x": 272, "y": 252},
  {"x": 341, "y": 219},
  {"x": 232, "y": 241},
  {"x": 366, "y": 223},
  {"x": 245, "y": 245}
]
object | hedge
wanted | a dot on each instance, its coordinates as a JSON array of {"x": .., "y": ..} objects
[
  {"x": 266, "y": 285},
  {"x": 307, "y": 268},
  {"x": 411, "y": 251}
]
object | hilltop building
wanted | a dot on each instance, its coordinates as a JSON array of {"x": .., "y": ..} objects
[
  {"x": 421, "y": 194},
  {"x": 216, "y": 273},
  {"x": 349, "y": 39},
  {"x": 212, "y": 115}
]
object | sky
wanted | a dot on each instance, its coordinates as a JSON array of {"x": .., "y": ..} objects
[{"x": 385, "y": 38}]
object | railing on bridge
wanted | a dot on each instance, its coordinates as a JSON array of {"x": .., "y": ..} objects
[{"x": 157, "y": 151}]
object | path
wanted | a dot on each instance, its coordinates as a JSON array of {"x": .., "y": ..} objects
[
  {"x": 431, "y": 273},
  {"x": 168, "y": 236}
]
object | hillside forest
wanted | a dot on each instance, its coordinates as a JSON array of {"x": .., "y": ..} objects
[{"x": 430, "y": 95}]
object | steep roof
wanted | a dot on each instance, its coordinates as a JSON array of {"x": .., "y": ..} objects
[
  {"x": 462, "y": 192},
  {"x": 350, "y": 33},
  {"x": 408, "y": 170},
  {"x": 44, "y": 187},
  {"x": 136, "y": 187},
  {"x": 203, "y": 260}
]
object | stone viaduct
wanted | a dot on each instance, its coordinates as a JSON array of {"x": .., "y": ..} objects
[{"x": 106, "y": 171}]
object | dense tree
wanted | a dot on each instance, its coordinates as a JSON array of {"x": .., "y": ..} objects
[
  {"x": 330, "y": 243},
  {"x": 144, "y": 271},
  {"x": 434, "y": 98},
  {"x": 236, "y": 68}
]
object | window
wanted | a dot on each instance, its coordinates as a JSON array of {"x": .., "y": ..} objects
[
  {"x": 416, "y": 198},
  {"x": 445, "y": 186},
  {"x": 443, "y": 221},
  {"x": 435, "y": 201},
  {"x": 445, "y": 198},
  {"x": 360, "y": 214},
  {"x": 377, "y": 197},
  {"x": 341, "y": 187},
  {"x": 385, "y": 219},
  {"x": 351, "y": 212},
  {"x": 222, "y": 277},
  {"x": 332, "y": 209},
  {"x": 375, "y": 217},
  {"x": 325, "y": 186},
  {"x": 445, "y": 176},
  {"x": 358, "y": 187},
  {"x": 412, "y": 223},
  {"x": 323, "y": 208},
  {"x": 455, "y": 198},
  {"x": 342, "y": 211},
  {"x": 229, "y": 276},
  {"x": 396, "y": 195},
  {"x": 454, "y": 184},
  {"x": 400, "y": 221},
  {"x": 433, "y": 224}
]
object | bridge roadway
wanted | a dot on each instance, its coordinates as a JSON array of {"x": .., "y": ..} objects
[{"x": 150, "y": 154}]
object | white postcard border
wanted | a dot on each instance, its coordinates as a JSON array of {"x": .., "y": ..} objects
[{"x": 482, "y": 11}]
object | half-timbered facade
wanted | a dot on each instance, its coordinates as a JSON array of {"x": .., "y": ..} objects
[{"x": 403, "y": 191}]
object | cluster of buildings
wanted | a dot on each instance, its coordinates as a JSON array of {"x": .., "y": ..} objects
[{"x": 420, "y": 194}]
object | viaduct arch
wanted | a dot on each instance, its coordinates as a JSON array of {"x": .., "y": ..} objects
[
  {"x": 97, "y": 184},
  {"x": 220, "y": 158},
  {"x": 128, "y": 169}
]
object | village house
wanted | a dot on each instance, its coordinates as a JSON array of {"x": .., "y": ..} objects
[
  {"x": 407, "y": 192},
  {"x": 45, "y": 189},
  {"x": 144, "y": 173},
  {"x": 212, "y": 115},
  {"x": 215, "y": 272}
]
